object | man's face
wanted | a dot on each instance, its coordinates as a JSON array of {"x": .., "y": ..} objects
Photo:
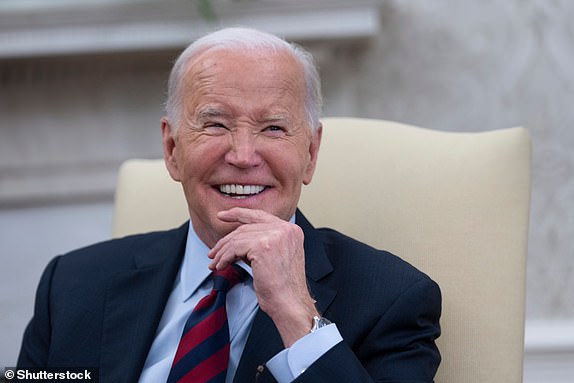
[{"x": 243, "y": 140}]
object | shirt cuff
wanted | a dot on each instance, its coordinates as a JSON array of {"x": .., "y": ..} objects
[{"x": 293, "y": 361}]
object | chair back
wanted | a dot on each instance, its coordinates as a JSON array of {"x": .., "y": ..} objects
[{"x": 456, "y": 205}]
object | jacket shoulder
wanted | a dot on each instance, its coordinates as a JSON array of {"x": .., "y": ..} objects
[
  {"x": 352, "y": 257},
  {"x": 118, "y": 252}
]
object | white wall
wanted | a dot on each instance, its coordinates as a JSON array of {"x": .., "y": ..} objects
[
  {"x": 29, "y": 238},
  {"x": 549, "y": 356}
]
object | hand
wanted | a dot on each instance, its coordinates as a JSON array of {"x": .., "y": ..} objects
[{"x": 274, "y": 250}]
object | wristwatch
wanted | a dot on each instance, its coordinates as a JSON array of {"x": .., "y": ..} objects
[{"x": 319, "y": 322}]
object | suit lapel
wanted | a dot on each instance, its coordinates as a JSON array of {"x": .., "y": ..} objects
[
  {"x": 317, "y": 265},
  {"x": 264, "y": 341},
  {"x": 135, "y": 300}
]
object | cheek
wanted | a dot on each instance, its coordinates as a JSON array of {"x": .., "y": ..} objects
[
  {"x": 290, "y": 165},
  {"x": 200, "y": 155}
]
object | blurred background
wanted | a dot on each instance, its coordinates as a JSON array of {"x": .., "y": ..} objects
[{"x": 82, "y": 85}]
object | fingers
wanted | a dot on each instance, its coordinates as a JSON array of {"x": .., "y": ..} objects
[
  {"x": 247, "y": 216},
  {"x": 238, "y": 245},
  {"x": 229, "y": 254},
  {"x": 257, "y": 230}
]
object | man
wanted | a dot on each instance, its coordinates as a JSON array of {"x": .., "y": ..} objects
[{"x": 242, "y": 135}]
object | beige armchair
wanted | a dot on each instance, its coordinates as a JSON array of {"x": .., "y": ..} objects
[{"x": 456, "y": 205}]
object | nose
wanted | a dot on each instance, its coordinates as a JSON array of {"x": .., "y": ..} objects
[{"x": 243, "y": 152}]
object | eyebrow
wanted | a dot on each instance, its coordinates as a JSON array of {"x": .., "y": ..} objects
[
  {"x": 275, "y": 117},
  {"x": 210, "y": 112}
]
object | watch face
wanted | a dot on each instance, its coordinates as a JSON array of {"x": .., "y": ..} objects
[{"x": 319, "y": 322}]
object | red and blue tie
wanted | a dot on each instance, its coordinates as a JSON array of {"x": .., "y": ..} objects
[{"x": 203, "y": 352}]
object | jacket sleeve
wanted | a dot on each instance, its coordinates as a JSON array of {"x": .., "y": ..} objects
[
  {"x": 36, "y": 340},
  {"x": 399, "y": 348}
]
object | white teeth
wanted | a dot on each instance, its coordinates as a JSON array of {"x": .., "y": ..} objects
[{"x": 241, "y": 189}]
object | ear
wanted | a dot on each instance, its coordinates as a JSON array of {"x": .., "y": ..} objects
[
  {"x": 314, "y": 146},
  {"x": 169, "y": 149}
]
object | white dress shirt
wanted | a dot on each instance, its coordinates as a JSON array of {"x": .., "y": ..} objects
[{"x": 192, "y": 284}]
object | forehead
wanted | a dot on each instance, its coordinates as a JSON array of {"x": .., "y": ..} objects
[{"x": 245, "y": 71}]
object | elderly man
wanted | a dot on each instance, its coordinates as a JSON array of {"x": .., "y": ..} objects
[{"x": 248, "y": 290}]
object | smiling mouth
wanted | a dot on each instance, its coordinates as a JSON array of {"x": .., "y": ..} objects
[{"x": 240, "y": 191}]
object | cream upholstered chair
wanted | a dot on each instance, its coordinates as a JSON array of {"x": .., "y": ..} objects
[{"x": 456, "y": 205}]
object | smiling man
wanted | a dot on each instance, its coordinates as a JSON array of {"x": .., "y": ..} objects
[{"x": 248, "y": 290}]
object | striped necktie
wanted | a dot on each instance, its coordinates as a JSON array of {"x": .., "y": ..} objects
[{"x": 203, "y": 352}]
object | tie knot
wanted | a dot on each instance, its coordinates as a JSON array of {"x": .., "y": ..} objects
[{"x": 225, "y": 279}]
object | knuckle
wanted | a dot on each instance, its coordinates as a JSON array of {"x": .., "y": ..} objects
[
  {"x": 296, "y": 230},
  {"x": 265, "y": 241}
]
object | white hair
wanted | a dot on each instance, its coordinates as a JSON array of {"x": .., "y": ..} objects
[{"x": 245, "y": 39}]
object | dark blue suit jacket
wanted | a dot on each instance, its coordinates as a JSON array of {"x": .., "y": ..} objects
[{"x": 100, "y": 307}]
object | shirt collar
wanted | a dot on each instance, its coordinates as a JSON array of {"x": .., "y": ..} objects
[{"x": 194, "y": 266}]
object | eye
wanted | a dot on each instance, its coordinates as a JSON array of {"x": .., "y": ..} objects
[
  {"x": 215, "y": 128},
  {"x": 274, "y": 129}
]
